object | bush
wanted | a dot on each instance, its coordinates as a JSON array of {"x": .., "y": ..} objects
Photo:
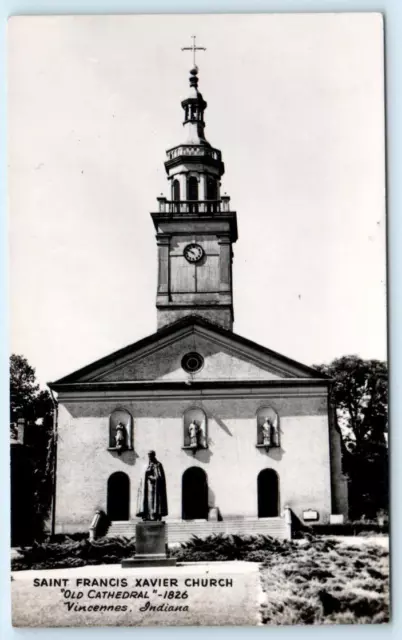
[
  {"x": 326, "y": 581},
  {"x": 230, "y": 547},
  {"x": 73, "y": 553}
]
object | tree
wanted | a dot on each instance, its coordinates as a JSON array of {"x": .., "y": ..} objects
[
  {"x": 27, "y": 400},
  {"x": 35, "y": 406},
  {"x": 360, "y": 394}
]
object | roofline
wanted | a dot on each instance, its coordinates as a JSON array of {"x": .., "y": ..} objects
[
  {"x": 171, "y": 328},
  {"x": 184, "y": 385}
]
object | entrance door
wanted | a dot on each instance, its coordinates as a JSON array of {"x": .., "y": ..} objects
[
  {"x": 118, "y": 496},
  {"x": 268, "y": 494},
  {"x": 194, "y": 494}
]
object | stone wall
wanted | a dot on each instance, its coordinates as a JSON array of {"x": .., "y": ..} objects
[{"x": 231, "y": 461}]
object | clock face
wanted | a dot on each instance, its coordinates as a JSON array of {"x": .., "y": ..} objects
[{"x": 193, "y": 252}]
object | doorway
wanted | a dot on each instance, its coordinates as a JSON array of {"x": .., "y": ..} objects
[
  {"x": 194, "y": 494},
  {"x": 118, "y": 496},
  {"x": 268, "y": 494}
]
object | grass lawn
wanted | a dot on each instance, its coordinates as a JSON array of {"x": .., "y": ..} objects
[
  {"x": 315, "y": 580},
  {"x": 327, "y": 581}
]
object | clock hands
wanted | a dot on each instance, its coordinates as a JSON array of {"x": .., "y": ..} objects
[{"x": 193, "y": 252}]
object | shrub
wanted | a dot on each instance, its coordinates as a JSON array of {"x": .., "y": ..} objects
[
  {"x": 230, "y": 547},
  {"x": 73, "y": 553}
]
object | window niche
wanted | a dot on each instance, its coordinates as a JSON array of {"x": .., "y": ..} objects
[
  {"x": 192, "y": 188},
  {"x": 120, "y": 431},
  {"x": 195, "y": 429},
  {"x": 267, "y": 428},
  {"x": 212, "y": 188},
  {"x": 176, "y": 190}
]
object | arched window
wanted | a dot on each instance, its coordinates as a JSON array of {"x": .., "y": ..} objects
[
  {"x": 194, "y": 429},
  {"x": 194, "y": 494},
  {"x": 176, "y": 190},
  {"x": 212, "y": 190},
  {"x": 267, "y": 428},
  {"x": 192, "y": 188},
  {"x": 120, "y": 430},
  {"x": 268, "y": 494},
  {"x": 118, "y": 496}
]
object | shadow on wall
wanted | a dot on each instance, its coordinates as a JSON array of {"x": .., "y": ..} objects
[
  {"x": 128, "y": 456},
  {"x": 203, "y": 455},
  {"x": 222, "y": 425},
  {"x": 276, "y": 453}
]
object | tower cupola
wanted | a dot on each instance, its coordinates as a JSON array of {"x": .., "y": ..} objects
[{"x": 194, "y": 106}]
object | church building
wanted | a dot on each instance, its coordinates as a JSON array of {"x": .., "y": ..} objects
[{"x": 247, "y": 437}]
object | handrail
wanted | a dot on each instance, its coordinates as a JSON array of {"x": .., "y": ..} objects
[
  {"x": 193, "y": 206},
  {"x": 193, "y": 150}
]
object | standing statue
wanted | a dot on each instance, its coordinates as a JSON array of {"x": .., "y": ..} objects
[
  {"x": 194, "y": 431},
  {"x": 120, "y": 437},
  {"x": 275, "y": 433},
  {"x": 266, "y": 432},
  {"x": 152, "y": 499}
]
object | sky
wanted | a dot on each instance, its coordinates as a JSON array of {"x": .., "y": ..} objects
[{"x": 296, "y": 105}]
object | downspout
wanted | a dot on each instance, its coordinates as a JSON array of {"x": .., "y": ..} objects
[{"x": 55, "y": 422}]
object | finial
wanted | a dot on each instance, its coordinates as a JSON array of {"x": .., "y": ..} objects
[
  {"x": 194, "y": 77},
  {"x": 193, "y": 48}
]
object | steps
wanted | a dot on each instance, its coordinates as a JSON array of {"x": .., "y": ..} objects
[{"x": 182, "y": 530}]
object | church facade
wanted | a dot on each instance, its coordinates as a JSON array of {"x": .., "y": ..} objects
[{"x": 243, "y": 432}]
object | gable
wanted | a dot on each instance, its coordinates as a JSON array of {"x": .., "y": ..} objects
[
  {"x": 157, "y": 358},
  {"x": 164, "y": 363}
]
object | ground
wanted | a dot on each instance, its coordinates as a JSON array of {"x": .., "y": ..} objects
[
  {"x": 328, "y": 581},
  {"x": 315, "y": 580}
]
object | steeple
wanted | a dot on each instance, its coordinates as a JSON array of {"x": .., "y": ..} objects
[{"x": 195, "y": 227}]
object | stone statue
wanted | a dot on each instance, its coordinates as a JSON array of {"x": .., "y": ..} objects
[
  {"x": 266, "y": 432},
  {"x": 275, "y": 433},
  {"x": 152, "y": 499},
  {"x": 194, "y": 431},
  {"x": 270, "y": 432},
  {"x": 120, "y": 437}
]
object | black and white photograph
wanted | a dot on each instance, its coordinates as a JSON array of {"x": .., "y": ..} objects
[{"x": 198, "y": 316}]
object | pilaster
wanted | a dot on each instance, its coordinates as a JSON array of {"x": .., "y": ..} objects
[
  {"x": 163, "y": 242},
  {"x": 225, "y": 263}
]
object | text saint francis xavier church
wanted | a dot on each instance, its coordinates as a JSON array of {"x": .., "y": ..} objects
[{"x": 246, "y": 436}]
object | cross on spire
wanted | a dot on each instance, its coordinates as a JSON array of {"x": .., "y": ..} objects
[{"x": 194, "y": 48}]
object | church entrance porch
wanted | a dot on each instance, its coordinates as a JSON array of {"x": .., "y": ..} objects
[
  {"x": 181, "y": 530},
  {"x": 118, "y": 496},
  {"x": 194, "y": 494}
]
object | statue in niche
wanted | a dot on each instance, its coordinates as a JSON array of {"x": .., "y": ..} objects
[
  {"x": 120, "y": 437},
  {"x": 152, "y": 498},
  {"x": 266, "y": 432},
  {"x": 270, "y": 432},
  {"x": 194, "y": 431},
  {"x": 275, "y": 433}
]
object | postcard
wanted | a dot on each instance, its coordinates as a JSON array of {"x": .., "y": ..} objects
[{"x": 199, "y": 382}]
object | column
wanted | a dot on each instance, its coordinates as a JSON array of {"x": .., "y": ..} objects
[{"x": 202, "y": 193}]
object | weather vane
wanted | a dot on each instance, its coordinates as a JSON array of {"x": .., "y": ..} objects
[{"x": 194, "y": 48}]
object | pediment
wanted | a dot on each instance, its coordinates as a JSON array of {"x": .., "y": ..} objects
[{"x": 226, "y": 356}]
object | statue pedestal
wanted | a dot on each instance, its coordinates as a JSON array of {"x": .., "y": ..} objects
[{"x": 150, "y": 546}]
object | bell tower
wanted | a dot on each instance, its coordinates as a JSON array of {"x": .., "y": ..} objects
[{"x": 195, "y": 228}]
